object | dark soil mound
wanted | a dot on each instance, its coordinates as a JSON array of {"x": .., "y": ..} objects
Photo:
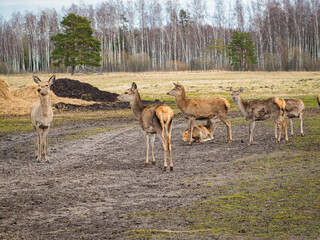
[{"x": 64, "y": 87}]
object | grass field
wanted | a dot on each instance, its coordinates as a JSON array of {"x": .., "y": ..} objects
[{"x": 274, "y": 196}]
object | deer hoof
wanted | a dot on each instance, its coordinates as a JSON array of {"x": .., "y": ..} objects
[
  {"x": 171, "y": 169},
  {"x": 164, "y": 168},
  {"x": 153, "y": 163},
  {"x": 302, "y": 134},
  {"x": 146, "y": 164}
]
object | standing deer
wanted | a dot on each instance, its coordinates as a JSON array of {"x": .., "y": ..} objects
[
  {"x": 153, "y": 120},
  {"x": 293, "y": 109},
  {"x": 192, "y": 109},
  {"x": 42, "y": 115},
  {"x": 259, "y": 110},
  {"x": 201, "y": 133}
]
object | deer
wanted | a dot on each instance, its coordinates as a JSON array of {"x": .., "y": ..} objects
[
  {"x": 318, "y": 99},
  {"x": 260, "y": 110},
  {"x": 201, "y": 133},
  {"x": 154, "y": 120},
  {"x": 293, "y": 109},
  {"x": 199, "y": 109},
  {"x": 42, "y": 115}
]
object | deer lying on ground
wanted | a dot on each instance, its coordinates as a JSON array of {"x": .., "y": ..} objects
[
  {"x": 193, "y": 109},
  {"x": 201, "y": 133},
  {"x": 42, "y": 115},
  {"x": 259, "y": 110},
  {"x": 153, "y": 120},
  {"x": 293, "y": 109}
]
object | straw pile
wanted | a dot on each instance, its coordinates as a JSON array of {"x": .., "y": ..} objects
[
  {"x": 5, "y": 94},
  {"x": 17, "y": 102}
]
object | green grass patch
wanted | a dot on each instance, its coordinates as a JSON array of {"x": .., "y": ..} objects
[
  {"x": 19, "y": 125},
  {"x": 15, "y": 125},
  {"x": 276, "y": 196}
]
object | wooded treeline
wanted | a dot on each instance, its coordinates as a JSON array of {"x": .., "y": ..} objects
[{"x": 147, "y": 35}]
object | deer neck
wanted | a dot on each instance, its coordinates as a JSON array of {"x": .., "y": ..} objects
[
  {"x": 181, "y": 100},
  {"x": 45, "y": 103},
  {"x": 241, "y": 106},
  {"x": 137, "y": 105}
]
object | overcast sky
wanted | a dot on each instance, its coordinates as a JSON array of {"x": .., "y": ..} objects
[{"x": 7, "y": 7}]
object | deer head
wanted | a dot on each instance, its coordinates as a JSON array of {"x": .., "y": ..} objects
[
  {"x": 128, "y": 95},
  {"x": 236, "y": 94},
  {"x": 44, "y": 86},
  {"x": 177, "y": 90}
]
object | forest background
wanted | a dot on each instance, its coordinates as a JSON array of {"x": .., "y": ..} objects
[{"x": 152, "y": 35}]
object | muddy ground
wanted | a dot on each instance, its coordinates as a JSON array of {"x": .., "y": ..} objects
[{"x": 94, "y": 184}]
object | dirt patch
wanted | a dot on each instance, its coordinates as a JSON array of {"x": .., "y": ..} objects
[
  {"x": 64, "y": 87},
  {"x": 94, "y": 184}
]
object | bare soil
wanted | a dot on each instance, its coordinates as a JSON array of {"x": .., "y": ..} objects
[
  {"x": 65, "y": 87},
  {"x": 93, "y": 185}
]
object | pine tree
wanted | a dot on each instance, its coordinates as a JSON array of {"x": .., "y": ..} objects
[
  {"x": 76, "y": 46},
  {"x": 241, "y": 51}
]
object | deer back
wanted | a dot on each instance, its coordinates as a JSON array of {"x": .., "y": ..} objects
[
  {"x": 261, "y": 109},
  {"x": 205, "y": 108}
]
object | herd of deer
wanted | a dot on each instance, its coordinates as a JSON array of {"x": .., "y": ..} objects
[{"x": 157, "y": 120}]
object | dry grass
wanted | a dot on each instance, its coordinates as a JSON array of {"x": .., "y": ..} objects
[{"x": 199, "y": 84}]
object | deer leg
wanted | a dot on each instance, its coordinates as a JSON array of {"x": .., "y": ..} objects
[
  {"x": 301, "y": 125},
  {"x": 39, "y": 145},
  {"x": 228, "y": 124},
  {"x": 252, "y": 124},
  {"x": 42, "y": 141},
  {"x": 169, "y": 146},
  {"x": 45, "y": 143},
  {"x": 278, "y": 123},
  {"x": 147, "y": 149},
  {"x": 275, "y": 130},
  {"x": 165, "y": 148},
  {"x": 284, "y": 129},
  {"x": 291, "y": 126},
  {"x": 153, "y": 137},
  {"x": 190, "y": 130}
]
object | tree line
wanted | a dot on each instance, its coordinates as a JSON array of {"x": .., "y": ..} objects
[{"x": 148, "y": 35}]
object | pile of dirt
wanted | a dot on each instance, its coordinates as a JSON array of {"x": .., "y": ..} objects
[
  {"x": 4, "y": 90},
  {"x": 64, "y": 87}
]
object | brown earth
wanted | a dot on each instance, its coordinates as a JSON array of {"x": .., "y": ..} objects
[
  {"x": 93, "y": 185},
  {"x": 65, "y": 87}
]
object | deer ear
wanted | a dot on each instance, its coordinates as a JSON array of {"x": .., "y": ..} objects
[
  {"x": 52, "y": 79},
  {"x": 36, "y": 80},
  {"x": 134, "y": 86},
  {"x": 241, "y": 89}
]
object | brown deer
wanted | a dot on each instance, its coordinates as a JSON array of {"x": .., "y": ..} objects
[
  {"x": 259, "y": 110},
  {"x": 293, "y": 109},
  {"x": 194, "y": 109},
  {"x": 201, "y": 133},
  {"x": 41, "y": 115},
  {"x": 318, "y": 99},
  {"x": 153, "y": 120}
]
